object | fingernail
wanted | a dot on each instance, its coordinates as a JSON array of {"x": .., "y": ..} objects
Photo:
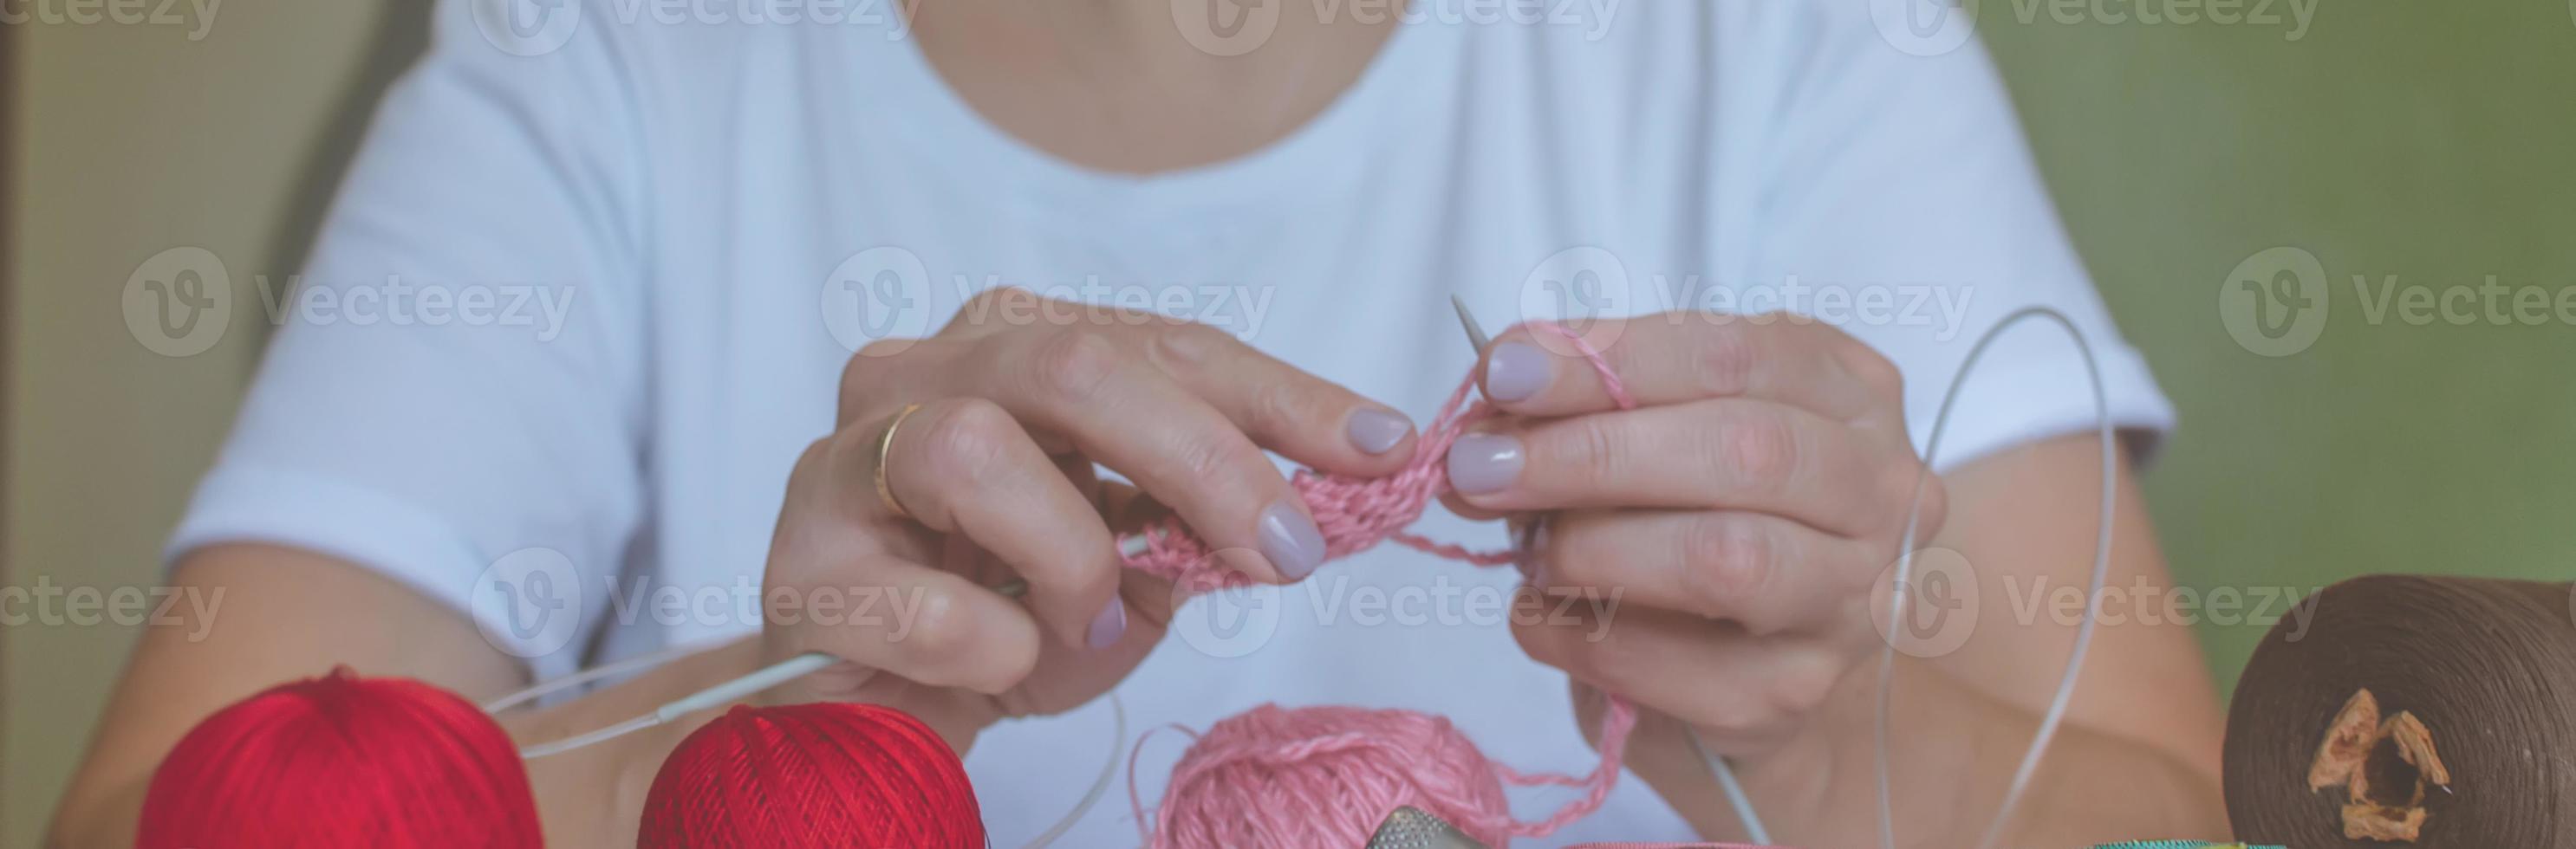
[
  {"x": 1291, "y": 541},
  {"x": 1517, "y": 370},
  {"x": 1376, "y": 431},
  {"x": 1107, "y": 627},
  {"x": 1484, "y": 462}
]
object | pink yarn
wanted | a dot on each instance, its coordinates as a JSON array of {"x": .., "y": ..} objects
[
  {"x": 1355, "y": 514},
  {"x": 1328, "y": 775}
]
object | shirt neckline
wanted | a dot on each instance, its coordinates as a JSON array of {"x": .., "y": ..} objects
[{"x": 1314, "y": 156}]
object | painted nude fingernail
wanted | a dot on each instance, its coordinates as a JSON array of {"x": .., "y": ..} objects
[
  {"x": 1517, "y": 370},
  {"x": 1376, "y": 431},
  {"x": 1107, "y": 627},
  {"x": 1484, "y": 462},
  {"x": 1291, "y": 541}
]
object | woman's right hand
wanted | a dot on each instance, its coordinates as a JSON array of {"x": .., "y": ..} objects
[{"x": 994, "y": 474}]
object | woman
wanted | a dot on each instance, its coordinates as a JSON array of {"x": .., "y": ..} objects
[{"x": 777, "y": 240}]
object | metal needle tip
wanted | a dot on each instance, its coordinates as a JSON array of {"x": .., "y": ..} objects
[{"x": 1467, "y": 319}]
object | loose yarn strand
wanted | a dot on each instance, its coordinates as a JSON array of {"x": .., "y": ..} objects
[{"x": 2057, "y": 706}]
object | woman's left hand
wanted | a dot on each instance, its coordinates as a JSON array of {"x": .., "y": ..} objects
[{"x": 1739, "y": 514}]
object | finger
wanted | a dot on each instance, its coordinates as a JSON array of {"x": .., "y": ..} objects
[
  {"x": 1068, "y": 678},
  {"x": 1284, "y": 408},
  {"x": 1079, "y": 470},
  {"x": 1458, "y": 504},
  {"x": 964, "y": 467},
  {"x": 1706, "y": 673},
  {"x": 1134, "y": 419},
  {"x": 923, "y": 624},
  {"x": 1768, "y": 574},
  {"x": 1728, "y": 454},
  {"x": 1685, "y": 356}
]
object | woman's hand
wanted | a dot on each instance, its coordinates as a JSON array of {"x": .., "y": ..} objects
[
  {"x": 1740, "y": 513},
  {"x": 1011, "y": 405}
]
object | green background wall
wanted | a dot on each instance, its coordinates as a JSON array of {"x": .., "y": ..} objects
[
  {"x": 2428, "y": 140},
  {"x": 2435, "y": 141}
]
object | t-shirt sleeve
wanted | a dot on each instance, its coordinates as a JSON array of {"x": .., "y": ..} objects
[
  {"x": 1899, "y": 196},
  {"x": 453, "y": 395}
]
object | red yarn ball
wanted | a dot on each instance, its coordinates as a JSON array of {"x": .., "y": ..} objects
[
  {"x": 341, "y": 761},
  {"x": 821, "y": 774}
]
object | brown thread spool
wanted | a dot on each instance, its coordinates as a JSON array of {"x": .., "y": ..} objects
[{"x": 2488, "y": 669}]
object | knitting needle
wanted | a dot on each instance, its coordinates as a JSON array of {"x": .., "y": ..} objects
[
  {"x": 811, "y": 662},
  {"x": 749, "y": 685},
  {"x": 1467, "y": 319}
]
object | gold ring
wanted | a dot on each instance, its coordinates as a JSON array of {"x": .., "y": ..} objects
[{"x": 885, "y": 449}]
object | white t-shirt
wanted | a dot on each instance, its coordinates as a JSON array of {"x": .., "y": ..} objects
[{"x": 575, "y": 314}]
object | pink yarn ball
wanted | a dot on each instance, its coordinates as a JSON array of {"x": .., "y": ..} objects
[{"x": 1327, "y": 776}]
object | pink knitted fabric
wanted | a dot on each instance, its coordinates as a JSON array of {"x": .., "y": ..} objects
[
  {"x": 1328, "y": 775},
  {"x": 1355, "y": 514}
]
